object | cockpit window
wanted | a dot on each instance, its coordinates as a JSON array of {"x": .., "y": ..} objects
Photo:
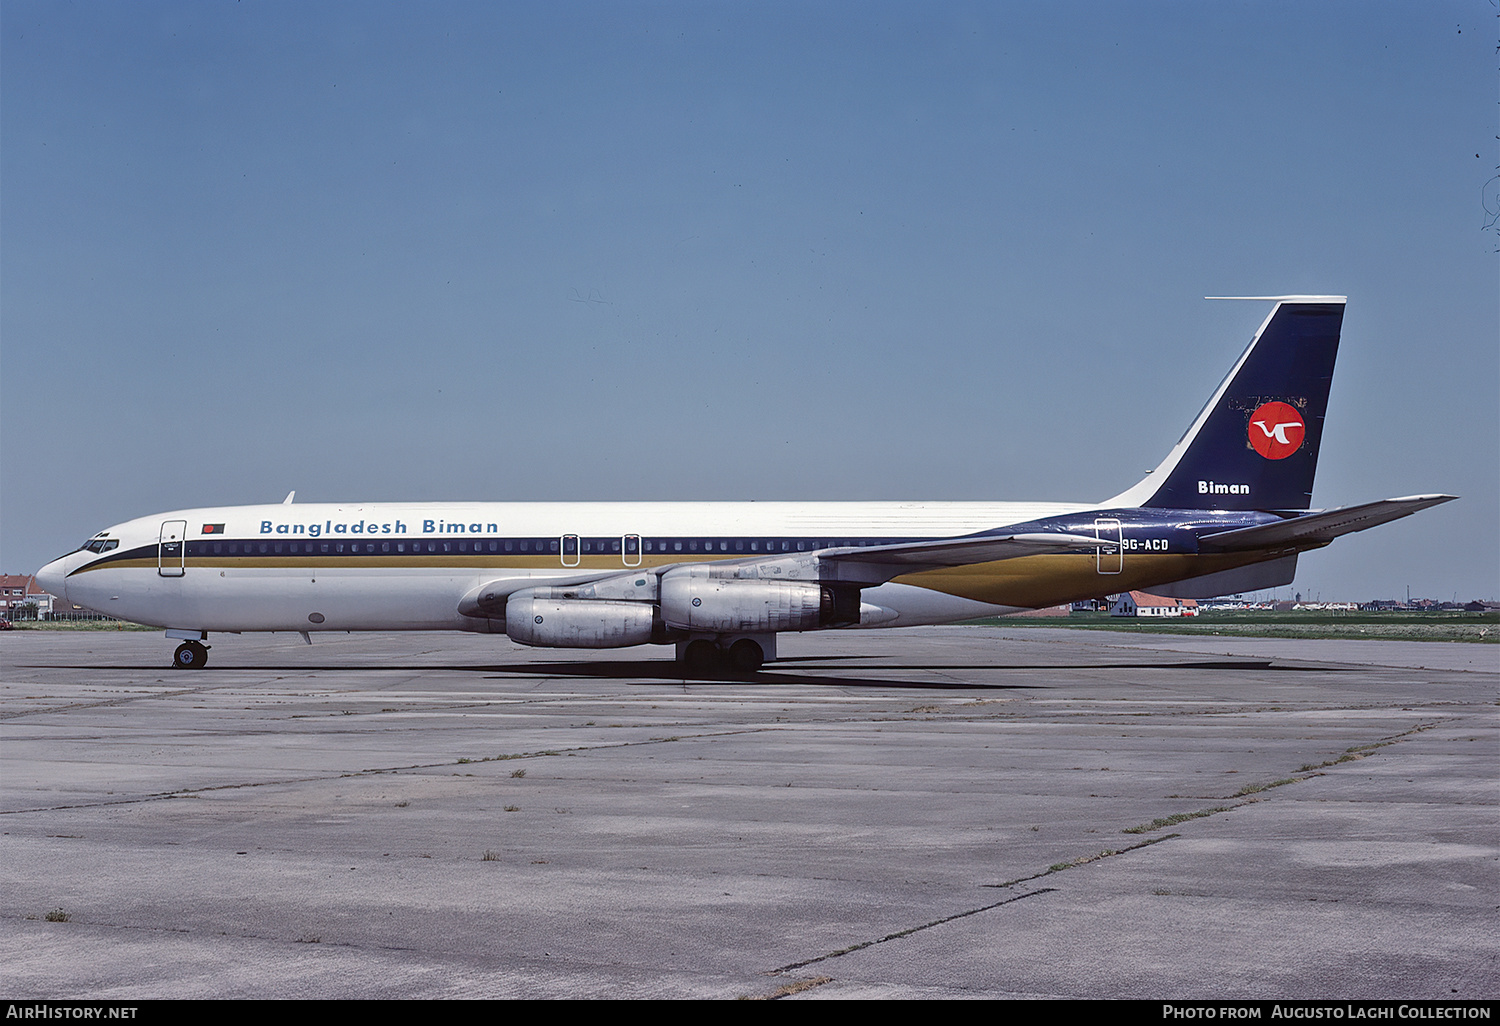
[{"x": 100, "y": 544}]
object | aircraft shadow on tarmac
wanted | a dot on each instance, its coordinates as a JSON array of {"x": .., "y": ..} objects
[
  {"x": 669, "y": 671},
  {"x": 780, "y": 673}
]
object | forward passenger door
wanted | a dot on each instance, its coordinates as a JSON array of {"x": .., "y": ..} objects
[{"x": 171, "y": 549}]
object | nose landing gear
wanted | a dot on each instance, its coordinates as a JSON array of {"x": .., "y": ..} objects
[{"x": 190, "y": 655}]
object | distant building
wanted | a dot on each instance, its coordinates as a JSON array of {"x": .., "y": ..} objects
[
  {"x": 17, "y": 590},
  {"x": 1139, "y": 603},
  {"x": 22, "y": 598}
]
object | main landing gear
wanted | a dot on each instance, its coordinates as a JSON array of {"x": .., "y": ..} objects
[
  {"x": 744, "y": 655},
  {"x": 190, "y": 655}
]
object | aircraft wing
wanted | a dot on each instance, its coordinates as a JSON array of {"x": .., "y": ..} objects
[
  {"x": 866, "y": 565},
  {"x": 876, "y": 564},
  {"x": 1313, "y": 529}
]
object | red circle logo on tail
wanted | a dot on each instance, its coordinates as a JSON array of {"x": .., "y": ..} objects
[{"x": 1276, "y": 430}]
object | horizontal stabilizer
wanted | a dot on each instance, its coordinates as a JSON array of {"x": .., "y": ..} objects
[{"x": 1320, "y": 528}]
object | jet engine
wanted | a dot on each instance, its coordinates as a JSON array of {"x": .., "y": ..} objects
[
  {"x": 547, "y": 618},
  {"x": 719, "y": 601}
]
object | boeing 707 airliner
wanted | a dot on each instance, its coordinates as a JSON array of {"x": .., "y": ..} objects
[{"x": 1228, "y": 510}]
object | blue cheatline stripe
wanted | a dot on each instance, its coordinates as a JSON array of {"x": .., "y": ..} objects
[{"x": 414, "y": 550}]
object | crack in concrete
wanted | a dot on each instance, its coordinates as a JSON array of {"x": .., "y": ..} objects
[
  {"x": 909, "y": 931},
  {"x": 796, "y": 987},
  {"x": 103, "y": 703},
  {"x": 193, "y": 792}
]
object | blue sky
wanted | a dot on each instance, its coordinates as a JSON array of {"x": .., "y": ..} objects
[{"x": 735, "y": 250}]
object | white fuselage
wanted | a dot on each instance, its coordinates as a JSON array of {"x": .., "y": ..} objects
[{"x": 399, "y": 566}]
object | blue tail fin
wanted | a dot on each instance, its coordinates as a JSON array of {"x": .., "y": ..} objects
[{"x": 1255, "y": 445}]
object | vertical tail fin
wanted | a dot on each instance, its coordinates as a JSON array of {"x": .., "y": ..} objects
[{"x": 1255, "y": 445}]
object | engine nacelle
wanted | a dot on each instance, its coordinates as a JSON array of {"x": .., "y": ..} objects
[
  {"x": 544, "y": 618},
  {"x": 703, "y": 599}
]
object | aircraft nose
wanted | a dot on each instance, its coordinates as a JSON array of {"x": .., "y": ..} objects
[{"x": 53, "y": 578}]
